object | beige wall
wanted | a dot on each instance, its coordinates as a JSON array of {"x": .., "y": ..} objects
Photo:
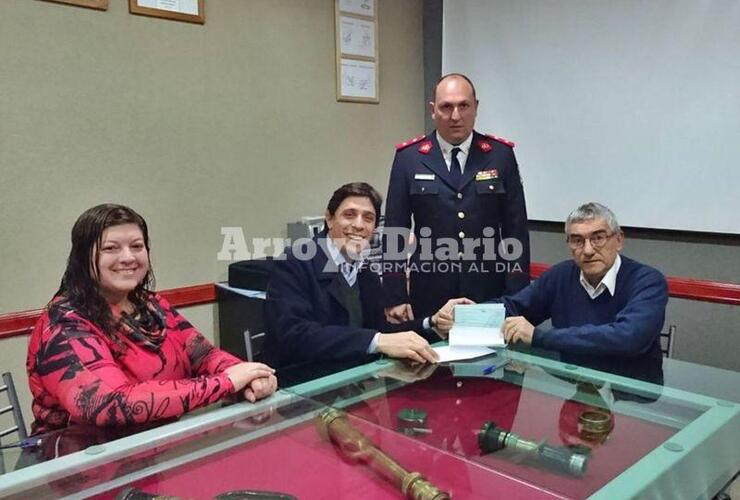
[{"x": 234, "y": 123}]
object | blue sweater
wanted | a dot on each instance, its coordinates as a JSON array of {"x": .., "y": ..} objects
[{"x": 626, "y": 325}]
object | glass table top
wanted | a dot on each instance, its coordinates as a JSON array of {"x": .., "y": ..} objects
[{"x": 515, "y": 422}]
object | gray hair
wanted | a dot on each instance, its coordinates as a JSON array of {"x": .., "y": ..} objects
[{"x": 591, "y": 211}]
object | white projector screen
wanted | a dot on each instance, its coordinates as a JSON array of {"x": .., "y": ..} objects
[{"x": 635, "y": 104}]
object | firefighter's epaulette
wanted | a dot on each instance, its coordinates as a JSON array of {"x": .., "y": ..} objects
[
  {"x": 501, "y": 140},
  {"x": 405, "y": 144}
]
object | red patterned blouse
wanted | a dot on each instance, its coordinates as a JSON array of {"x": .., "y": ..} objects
[{"x": 78, "y": 374}]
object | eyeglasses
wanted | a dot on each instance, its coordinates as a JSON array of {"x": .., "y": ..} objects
[{"x": 597, "y": 240}]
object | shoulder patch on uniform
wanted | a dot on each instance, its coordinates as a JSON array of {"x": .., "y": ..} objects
[
  {"x": 425, "y": 147},
  {"x": 404, "y": 144},
  {"x": 501, "y": 140},
  {"x": 484, "y": 146}
]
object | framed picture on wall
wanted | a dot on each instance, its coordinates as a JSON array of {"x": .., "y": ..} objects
[
  {"x": 357, "y": 37},
  {"x": 365, "y": 8},
  {"x": 358, "y": 81},
  {"x": 92, "y": 4},
  {"x": 357, "y": 51},
  {"x": 191, "y": 11}
]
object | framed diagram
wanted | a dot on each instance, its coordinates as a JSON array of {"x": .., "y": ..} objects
[
  {"x": 357, "y": 37},
  {"x": 364, "y": 8},
  {"x": 191, "y": 11},
  {"x": 358, "y": 81},
  {"x": 357, "y": 51}
]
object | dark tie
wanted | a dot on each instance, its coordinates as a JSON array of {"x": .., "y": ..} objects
[{"x": 455, "y": 170}]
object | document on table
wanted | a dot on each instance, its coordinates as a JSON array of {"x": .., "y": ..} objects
[
  {"x": 457, "y": 353},
  {"x": 478, "y": 325}
]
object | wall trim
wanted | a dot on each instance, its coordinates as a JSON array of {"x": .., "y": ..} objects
[
  {"x": 20, "y": 323},
  {"x": 15, "y": 324}
]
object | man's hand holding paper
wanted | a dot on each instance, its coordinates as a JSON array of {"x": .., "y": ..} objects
[
  {"x": 443, "y": 319},
  {"x": 518, "y": 329},
  {"x": 478, "y": 325}
]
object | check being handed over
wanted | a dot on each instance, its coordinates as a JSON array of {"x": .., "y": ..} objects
[{"x": 478, "y": 325}]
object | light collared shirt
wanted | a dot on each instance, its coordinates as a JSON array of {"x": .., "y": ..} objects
[
  {"x": 349, "y": 270},
  {"x": 462, "y": 156},
  {"x": 608, "y": 282}
]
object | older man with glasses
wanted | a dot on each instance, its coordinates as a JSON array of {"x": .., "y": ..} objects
[{"x": 606, "y": 310}]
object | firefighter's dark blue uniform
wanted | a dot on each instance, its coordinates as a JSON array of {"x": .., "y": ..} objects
[{"x": 485, "y": 207}]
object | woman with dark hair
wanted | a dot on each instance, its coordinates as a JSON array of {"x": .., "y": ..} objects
[{"x": 110, "y": 352}]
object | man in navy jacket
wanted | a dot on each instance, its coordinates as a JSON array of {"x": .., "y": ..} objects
[
  {"x": 324, "y": 306},
  {"x": 607, "y": 310},
  {"x": 465, "y": 195}
]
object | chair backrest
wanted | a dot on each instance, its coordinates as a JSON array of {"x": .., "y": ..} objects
[
  {"x": 666, "y": 341},
  {"x": 13, "y": 407}
]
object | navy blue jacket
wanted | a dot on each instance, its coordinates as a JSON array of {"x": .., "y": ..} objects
[
  {"x": 620, "y": 334},
  {"x": 306, "y": 320},
  {"x": 490, "y": 196}
]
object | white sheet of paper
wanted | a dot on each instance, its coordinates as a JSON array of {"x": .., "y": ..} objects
[
  {"x": 478, "y": 325},
  {"x": 456, "y": 353}
]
